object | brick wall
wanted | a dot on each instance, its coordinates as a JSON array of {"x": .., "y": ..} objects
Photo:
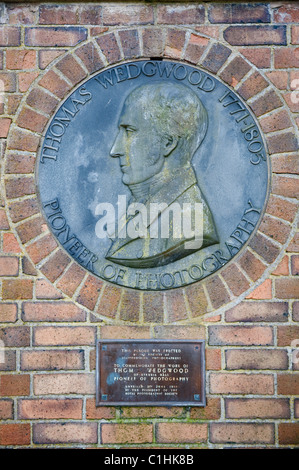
[{"x": 52, "y": 310}]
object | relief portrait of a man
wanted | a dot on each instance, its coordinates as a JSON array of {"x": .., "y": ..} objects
[{"x": 161, "y": 126}]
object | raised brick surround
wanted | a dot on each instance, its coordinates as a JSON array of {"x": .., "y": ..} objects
[{"x": 53, "y": 310}]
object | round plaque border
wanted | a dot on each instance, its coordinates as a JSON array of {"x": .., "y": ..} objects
[{"x": 109, "y": 302}]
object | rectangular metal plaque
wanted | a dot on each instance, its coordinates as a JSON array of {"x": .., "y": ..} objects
[{"x": 150, "y": 373}]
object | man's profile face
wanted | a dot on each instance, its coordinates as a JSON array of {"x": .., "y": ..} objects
[{"x": 137, "y": 145}]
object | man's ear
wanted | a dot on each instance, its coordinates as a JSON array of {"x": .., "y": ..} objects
[{"x": 169, "y": 144}]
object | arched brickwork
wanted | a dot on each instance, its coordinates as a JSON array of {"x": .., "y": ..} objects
[{"x": 82, "y": 289}]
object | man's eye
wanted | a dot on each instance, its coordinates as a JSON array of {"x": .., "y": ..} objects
[{"x": 129, "y": 130}]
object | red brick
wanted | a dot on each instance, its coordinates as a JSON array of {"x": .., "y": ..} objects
[
  {"x": 296, "y": 408},
  {"x": 175, "y": 306},
  {"x": 235, "y": 280},
  {"x": 64, "y": 384},
  {"x": 286, "y": 58},
  {"x": 285, "y": 186},
  {"x": 130, "y": 306},
  {"x": 253, "y": 267},
  {"x": 6, "y": 409},
  {"x": 90, "y": 14},
  {"x": 41, "y": 248},
  {"x": 69, "y": 66},
  {"x": 19, "y": 164},
  {"x": 153, "y": 42},
  {"x": 45, "y": 57},
  {"x": 14, "y": 434},
  {"x": 275, "y": 228},
  {"x": 255, "y": 35},
  {"x": 65, "y": 433},
  {"x": 10, "y": 36},
  {"x": 195, "y": 48},
  {"x": 27, "y": 267},
  {"x": 127, "y": 433},
  {"x": 197, "y": 300},
  {"x": 276, "y": 122},
  {"x": 125, "y": 332},
  {"x": 217, "y": 292},
  {"x": 71, "y": 279},
  {"x": 182, "y": 432},
  {"x": 286, "y": 334},
  {"x": 52, "y": 360},
  {"x": 90, "y": 292},
  {"x": 15, "y": 336},
  {"x": 42, "y": 101},
  {"x": 31, "y": 120},
  {"x": 153, "y": 308},
  {"x": 242, "y": 383},
  {"x": 213, "y": 359},
  {"x": 130, "y": 43},
  {"x": 127, "y": 15},
  {"x": 109, "y": 47},
  {"x": 266, "y": 103},
  {"x": 261, "y": 408},
  {"x": 56, "y": 265},
  {"x": 4, "y": 127},
  {"x": 50, "y": 409},
  {"x": 295, "y": 265},
  {"x": 287, "y": 288},
  {"x": 288, "y": 384},
  {"x": 109, "y": 301},
  {"x": 212, "y": 410},
  {"x": 285, "y": 164},
  {"x": 26, "y": 14},
  {"x": 294, "y": 245},
  {"x": 259, "y": 56},
  {"x": 216, "y": 57},
  {"x": 52, "y": 82},
  {"x": 295, "y": 34},
  {"x": 235, "y": 71},
  {"x": 288, "y": 433},
  {"x": 262, "y": 292},
  {"x": 45, "y": 290},
  {"x": 8, "y": 312},
  {"x": 17, "y": 289},
  {"x": 64, "y": 336},
  {"x": 56, "y": 14},
  {"x": 31, "y": 229},
  {"x": 240, "y": 335},
  {"x": 48, "y": 311},
  {"x": 90, "y": 57},
  {"x": 99, "y": 412},
  {"x": 286, "y": 142},
  {"x": 4, "y": 224},
  {"x": 279, "y": 78},
  {"x": 175, "y": 14},
  {"x": 235, "y": 13},
  {"x": 265, "y": 248},
  {"x": 14, "y": 385},
  {"x": 288, "y": 13},
  {"x": 54, "y": 36},
  {"x": 256, "y": 359},
  {"x": 22, "y": 140},
  {"x": 9, "y": 266},
  {"x": 26, "y": 79},
  {"x": 296, "y": 311},
  {"x": 19, "y": 187},
  {"x": 20, "y": 59},
  {"x": 252, "y": 86},
  {"x": 282, "y": 268},
  {"x": 246, "y": 433},
  {"x": 10, "y": 244},
  {"x": 8, "y": 81}
]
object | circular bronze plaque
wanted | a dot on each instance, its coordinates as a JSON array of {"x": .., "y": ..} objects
[{"x": 153, "y": 174}]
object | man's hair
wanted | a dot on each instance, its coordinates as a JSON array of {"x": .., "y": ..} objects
[{"x": 175, "y": 110}]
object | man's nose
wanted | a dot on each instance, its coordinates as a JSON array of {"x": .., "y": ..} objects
[{"x": 117, "y": 147}]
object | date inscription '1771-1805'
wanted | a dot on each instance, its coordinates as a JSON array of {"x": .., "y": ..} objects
[
  {"x": 150, "y": 372},
  {"x": 153, "y": 174}
]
